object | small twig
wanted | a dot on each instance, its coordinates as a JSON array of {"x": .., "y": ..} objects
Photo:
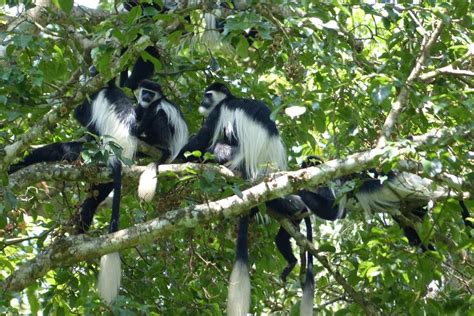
[
  {"x": 417, "y": 22},
  {"x": 13, "y": 241},
  {"x": 209, "y": 263},
  {"x": 141, "y": 256},
  {"x": 337, "y": 299}
]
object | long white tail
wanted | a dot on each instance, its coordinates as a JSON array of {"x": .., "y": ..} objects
[
  {"x": 306, "y": 307},
  {"x": 148, "y": 183},
  {"x": 109, "y": 276},
  {"x": 238, "y": 301}
]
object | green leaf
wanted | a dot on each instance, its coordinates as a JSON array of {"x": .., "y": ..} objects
[
  {"x": 33, "y": 300},
  {"x": 134, "y": 15},
  {"x": 147, "y": 57},
  {"x": 66, "y": 5},
  {"x": 237, "y": 192},
  {"x": 373, "y": 271},
  {"x": 195, "y": 153},
  {"x": 243, "y": 47},
  {"x": 327, "y": 248},
  {"x": 319, "y": 121}
]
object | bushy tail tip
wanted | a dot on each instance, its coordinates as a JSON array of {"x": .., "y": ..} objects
[
  {"x": 110, "y": 275},
  {"x": 148, "y": 182},
  {"x": 238, "y": 301},
  {"x": 306, "y": 307}
]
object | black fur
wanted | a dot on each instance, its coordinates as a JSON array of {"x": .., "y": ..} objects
[
  {"x": 157, "y": 132},
  {"x": 122, "y": 107},
  {"x": 99, "y": 192},
  {"x": 465, "y": 214},
  {"x": 69, "y": 151},
  {"x": 283, "y": 244},
  {"x": 202, "y": 140},
  {"x": 155, "y": 126},
  {"x": 255, "y": 110},
  {"x": 226, "y": 146},
  {"x": 323, "y": 203},
  {"x": 141, "y": 70}
]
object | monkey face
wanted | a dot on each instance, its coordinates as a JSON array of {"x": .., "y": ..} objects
[
  {"x": 210, "y": 100},
  {"x": 146, "y": 97}
]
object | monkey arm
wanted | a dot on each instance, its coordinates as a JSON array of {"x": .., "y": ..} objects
[
  {"x": 145, "y": 117},
  {"x": 202, "y": 139}
]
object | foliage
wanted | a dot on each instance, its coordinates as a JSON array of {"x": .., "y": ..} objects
[{"x": 330, "y": 73}]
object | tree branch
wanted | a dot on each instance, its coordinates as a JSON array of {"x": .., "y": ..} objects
[
  {"x": 402, "y": 98},
  {"x": 13, "y": 241},
  {"x": 451, "y": 68},
  {"x": 100, "y": 173},
  {"x": 447, "y": 70},
  {"x": 69, "y": 250}
]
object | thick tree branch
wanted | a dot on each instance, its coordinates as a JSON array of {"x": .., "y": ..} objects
[
  {"x": 69, "y": 250},
  {"x": 402, "y": 99},
  {"x": 99, "y": 174}
]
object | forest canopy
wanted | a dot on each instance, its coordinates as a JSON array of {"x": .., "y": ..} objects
[{"x": 384, "y": 86}]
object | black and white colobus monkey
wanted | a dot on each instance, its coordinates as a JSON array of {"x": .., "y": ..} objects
[
  {"x": 110, "y": 114},
  {"x": 161, "y": 124},
  {"x": 243, "y": 129},
  {"x": 400, "y": 192}
]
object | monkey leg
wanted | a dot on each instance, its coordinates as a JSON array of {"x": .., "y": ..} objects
[{"x": 89, "y": 207}]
